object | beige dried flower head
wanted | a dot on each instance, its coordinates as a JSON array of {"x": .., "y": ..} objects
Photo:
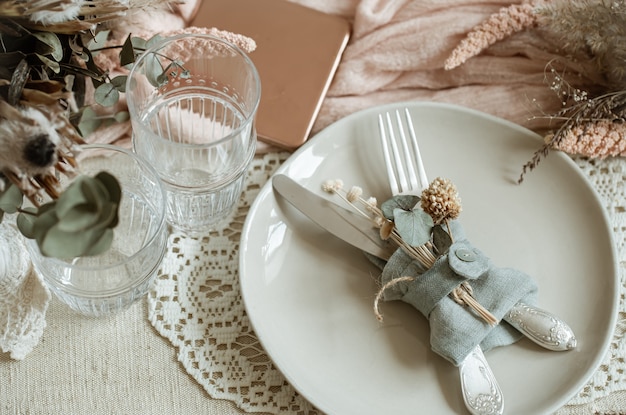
[
  {"x": 332, "y": 186},
  {"x": 371, "y": 204},
  {"x": 594, "y": 139},
  {"x": 441, "y": 200},
  {"x": 354, "y": 194}
]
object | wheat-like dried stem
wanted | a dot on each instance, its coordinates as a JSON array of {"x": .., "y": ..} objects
[{"x": 507, "y": 21}]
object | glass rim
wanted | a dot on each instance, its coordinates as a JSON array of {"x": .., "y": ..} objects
[
  {"x": 248, "y": 119},
  {"x": 32, "y": 244}
]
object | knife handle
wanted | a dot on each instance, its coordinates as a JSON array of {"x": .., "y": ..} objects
[{"x": 541, "y": 327}]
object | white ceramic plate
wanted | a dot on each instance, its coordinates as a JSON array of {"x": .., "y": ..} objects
[{"x": 309, "y": 295}]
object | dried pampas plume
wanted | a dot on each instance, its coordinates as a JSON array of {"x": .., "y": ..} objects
[{"x": 593, "y": 30}]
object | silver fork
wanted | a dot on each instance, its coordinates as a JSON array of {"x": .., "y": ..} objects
[{"x": 406, "y": 174}]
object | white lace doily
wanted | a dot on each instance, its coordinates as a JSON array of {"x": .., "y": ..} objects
[
  {"x": 197, "y": 305},
  {"x": 23, "y": 297},
  {"x": 609, "y": 179}
]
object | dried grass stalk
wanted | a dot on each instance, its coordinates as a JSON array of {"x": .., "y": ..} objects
[
  {"x": 593, "y": 30},
  {"x": 507, "y": 21}
]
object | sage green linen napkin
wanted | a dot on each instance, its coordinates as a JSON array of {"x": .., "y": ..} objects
[{"x": 456, "y": 329}]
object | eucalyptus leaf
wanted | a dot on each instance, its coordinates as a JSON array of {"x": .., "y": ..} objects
[
  {"x": 106, "y": 95},
  {"x": 72, "y": 196},
  {"x": 89, "y": 122},
  {"x": 94, "y": 192},
  {"x": 414, "y": 226},
  {"x": 441, "y": 239},
  {"x": 127, "y": 54},
  {"x": 80, "y": 217},
  {"x": 154, "y": 40},
  {"x": 101, "y": 244},
  {"x": 154, "y": 70},
  {"x": 26, "y": 221},
  {"x": 108, "y": 216},
  {"x": 55, "y": 48},
  {"x": 404, "y": 202},
  {"x": 139, "y": 43},
  {"x": 80, "y": 221},
  {"x": 60, "y": 244},
  {"x": 46, "y": 219},
  {"x": 11, "y": 199},
  {"x": 119, "y": 82},
  {"x": 54, "y": 66},
  {"x": 112, "y": 185},
  {"x": 122, "y": 116},
  {"x": 98, "y": 41}
]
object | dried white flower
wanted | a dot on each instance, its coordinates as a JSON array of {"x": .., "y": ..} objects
[
  {"x": 371, "y": 204},
  {"x": 354, "y": 194},
  {"x": 332, "y": 186}
]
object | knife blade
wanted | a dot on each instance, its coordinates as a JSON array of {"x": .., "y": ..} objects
[
  {"x": 537, "y": 324},
  {"x": 344, "y": 224}
]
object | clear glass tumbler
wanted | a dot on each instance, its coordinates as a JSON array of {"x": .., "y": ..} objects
[
  {"x": 192, "y": 101},
  {"x": 103, "y": 284}
]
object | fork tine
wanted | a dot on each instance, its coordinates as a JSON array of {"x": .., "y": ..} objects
[
  {"x": 421, "y": 171},
  {"x": 391, "y": 175},
  {"x": 395, "y": 153},
  {"x": 405, "y": 168},
  {"x": 409, "y": 164}
]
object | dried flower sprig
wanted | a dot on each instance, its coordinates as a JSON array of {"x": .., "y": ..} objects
[
  {"x": 411, "y": 229},
  {"x": 591, "y": 126},
  {"x": 507, "y": 21}
]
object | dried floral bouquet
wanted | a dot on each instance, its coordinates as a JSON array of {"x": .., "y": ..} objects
[
  {"x": 417, "y": 225},
  {"x": 591, "y": 36},
  {"x": 47, "y": 50}
]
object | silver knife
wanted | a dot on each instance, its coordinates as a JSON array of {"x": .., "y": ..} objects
[{"x": 537, "y": 324}]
